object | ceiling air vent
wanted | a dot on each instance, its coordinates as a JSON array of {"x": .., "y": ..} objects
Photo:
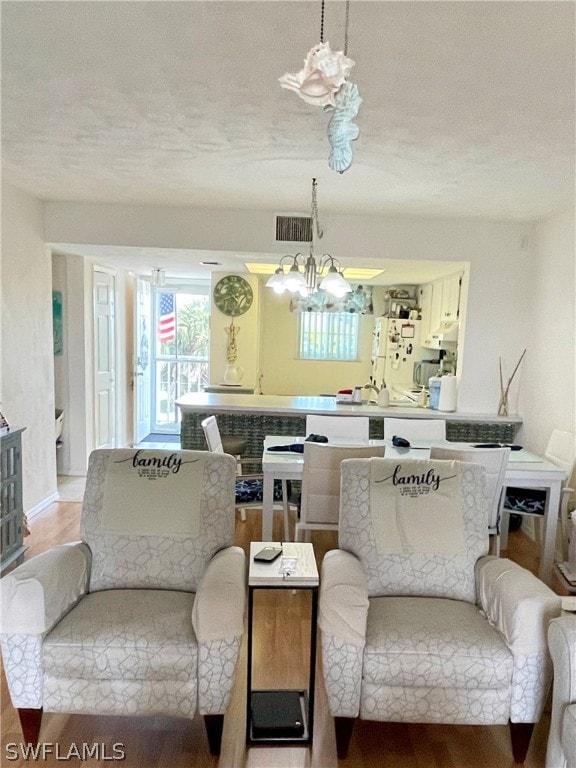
[{"x": 293, "y": 229}]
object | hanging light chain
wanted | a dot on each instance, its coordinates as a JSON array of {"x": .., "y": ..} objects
[
  {"x": 315, "y": 221},
  {"x": 322, "y": 22}
]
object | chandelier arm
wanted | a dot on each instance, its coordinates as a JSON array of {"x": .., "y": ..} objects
[{"x": 347, "y": 19}]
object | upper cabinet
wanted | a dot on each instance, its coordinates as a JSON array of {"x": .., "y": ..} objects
[
  {"x": 450, "y": 310},
  {"x": 440, "y": 303}
]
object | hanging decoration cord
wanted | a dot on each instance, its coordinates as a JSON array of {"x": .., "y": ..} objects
[
  {"x": 347, "y": 19},
  {"x": 324, "y": 82}
]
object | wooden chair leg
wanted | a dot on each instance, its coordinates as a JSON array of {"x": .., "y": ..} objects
[
  {"x": 30, "y": 720},
  {"x": 520, "y": 733},
  {"x": 343, "y": 727},
  {"x": 214, "y": 726}
]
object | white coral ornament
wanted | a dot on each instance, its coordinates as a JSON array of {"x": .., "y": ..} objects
[{"x": 323, "y": 74}]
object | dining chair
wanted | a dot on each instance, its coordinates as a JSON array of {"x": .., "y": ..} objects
[
  {"x": 320, "y": 499},
  {"x": 415, "y": 429},
  {"x": 249, "y": 486},
  {"x": 338, "y": 427},
  {"x": 494, "y": 461},
  {"x": 561, "y": 451}
]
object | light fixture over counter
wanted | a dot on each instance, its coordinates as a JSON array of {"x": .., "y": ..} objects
[{"x": 306, "y": 275}]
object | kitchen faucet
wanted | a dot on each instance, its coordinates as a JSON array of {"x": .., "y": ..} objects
[{"x": 375, "y": 388}]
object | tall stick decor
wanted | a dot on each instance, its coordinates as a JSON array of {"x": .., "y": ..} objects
[{"x": 503, "y": 405}]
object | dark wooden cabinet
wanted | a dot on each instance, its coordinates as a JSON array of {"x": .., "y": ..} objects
[{"x": 11, "y": 508}]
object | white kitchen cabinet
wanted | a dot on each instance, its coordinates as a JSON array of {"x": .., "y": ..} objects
[
  {"x": 431, "y": 306},
  {"x": 440, "y": 303},
  {"x": 451, "y": 298}
]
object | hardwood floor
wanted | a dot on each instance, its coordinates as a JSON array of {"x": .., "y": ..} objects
[{"x": 281, "y": 648}]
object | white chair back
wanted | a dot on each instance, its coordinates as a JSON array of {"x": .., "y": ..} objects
[
  {"x": 415, "y": 429},
  {"x": 320, "y": 501},
  {"x": 405, "y": 562},
  {"x": 339, "y": 427},
  {"x": 494, "y": 461},
  {"x": 561, "y": 450},
  {"x": 212, "y": 434}
]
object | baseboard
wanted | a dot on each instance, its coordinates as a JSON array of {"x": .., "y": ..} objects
[{"x": 42, "y": 505}]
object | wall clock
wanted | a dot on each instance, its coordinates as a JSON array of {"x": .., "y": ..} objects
[{"x": 233, "y": 295}]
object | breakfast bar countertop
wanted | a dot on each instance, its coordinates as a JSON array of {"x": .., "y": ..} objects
[{"x": 204, "y": 402}]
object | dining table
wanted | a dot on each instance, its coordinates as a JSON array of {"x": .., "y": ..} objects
[{"x": 524, "y": 470}]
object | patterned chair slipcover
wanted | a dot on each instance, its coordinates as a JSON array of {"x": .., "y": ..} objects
[
  {"x": 561, "y": 751},
  {"x": 417, "y": 623},
  {"x": 145, "y": 615}
]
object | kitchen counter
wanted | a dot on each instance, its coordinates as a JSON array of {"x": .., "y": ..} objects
[
  {"x": 254, "y": 416},
  {"x": 209, "y": 402}
]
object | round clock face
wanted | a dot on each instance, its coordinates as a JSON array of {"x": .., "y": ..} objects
[{"x": 233, "y": 295}]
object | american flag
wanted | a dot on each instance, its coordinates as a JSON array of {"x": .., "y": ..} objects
[{"x": 167, "y": 319}]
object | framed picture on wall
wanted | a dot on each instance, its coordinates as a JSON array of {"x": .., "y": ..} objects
[{"x": 57, "y": 325}]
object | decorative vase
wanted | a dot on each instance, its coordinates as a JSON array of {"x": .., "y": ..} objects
[{"x": 233, "y": 373}]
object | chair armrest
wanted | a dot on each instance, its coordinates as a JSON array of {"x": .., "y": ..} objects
[
  {"x": 37, "y": 594},
  {"x": 218, "y": 612},
  {"x": 343, "y": 598},
  {"x": 516, "y": 603},
  {"x": 561, "y": 749}
]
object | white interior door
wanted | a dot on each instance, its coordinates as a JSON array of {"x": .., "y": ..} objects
[
  {"x": 142, "y": 371},
  {"x": 104, "y": 360}
]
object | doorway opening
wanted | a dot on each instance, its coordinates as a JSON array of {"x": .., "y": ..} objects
[{"x": 180, "y": 349}]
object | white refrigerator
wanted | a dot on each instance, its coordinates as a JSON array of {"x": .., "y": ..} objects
[{"x": 395, "y": 349}]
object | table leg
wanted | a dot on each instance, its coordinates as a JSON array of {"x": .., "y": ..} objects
[
  {"x": 267, "y": 506},
  {"x": 550, "y": 525}
]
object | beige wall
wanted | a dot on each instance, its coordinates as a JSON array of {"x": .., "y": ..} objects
[
  {"x": 247, "y": 331},
  {"x": 283, "y": 373}
]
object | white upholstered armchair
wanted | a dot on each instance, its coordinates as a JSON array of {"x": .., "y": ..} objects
[
  {"x": 417, "y": 623},
  {"x": 561, "y": 752},
  {"x": 145, "y": 615}
]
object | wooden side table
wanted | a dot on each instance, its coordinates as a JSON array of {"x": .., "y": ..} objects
[{"x": 282, "y": 717}]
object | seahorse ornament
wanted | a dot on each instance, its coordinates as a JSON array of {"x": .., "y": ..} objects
[{"x": 341, "y": 130}]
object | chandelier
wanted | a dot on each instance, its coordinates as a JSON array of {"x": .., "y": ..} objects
[{"x": 306, "y": 275}]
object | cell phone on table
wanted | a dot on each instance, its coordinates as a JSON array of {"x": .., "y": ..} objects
[{"x": 267, "y": 555}]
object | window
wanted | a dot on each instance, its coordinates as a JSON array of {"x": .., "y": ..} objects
[
  {"x": 329, "y": 335},
  {"x": 181, "y": 349}
]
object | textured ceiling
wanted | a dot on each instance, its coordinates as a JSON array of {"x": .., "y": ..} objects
[{"x": 468, "y": 107}]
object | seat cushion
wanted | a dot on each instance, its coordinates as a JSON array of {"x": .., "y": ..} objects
[
  {"x": 433, "y": 642},
  {"x": 125, "y": 634}
]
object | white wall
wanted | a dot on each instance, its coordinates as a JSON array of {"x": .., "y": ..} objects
[
  {"x": 501, "y": 257},
  {"x": 548, "y": 394},
  {"x": 520, "y": 276},
  {"x": 26, "y": 354}
]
